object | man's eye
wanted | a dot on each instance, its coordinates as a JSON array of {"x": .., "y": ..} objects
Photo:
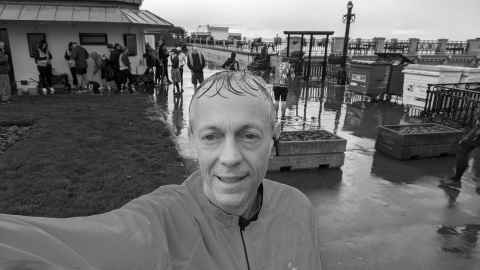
[
  {"x": 209, "y": 137},
  {"x": 251, "y": 136}
]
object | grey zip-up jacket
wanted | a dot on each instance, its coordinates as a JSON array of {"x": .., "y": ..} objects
[{"x": 174, "y": 227}]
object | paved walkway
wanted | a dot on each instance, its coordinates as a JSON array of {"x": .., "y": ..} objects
[{"x": 375, "y": 212}]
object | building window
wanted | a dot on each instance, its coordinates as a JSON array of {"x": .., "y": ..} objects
[
  {"x": 33, "y": 42},
  {"x": 130, "y": 41},
  {"x": 93, "y": 39}
]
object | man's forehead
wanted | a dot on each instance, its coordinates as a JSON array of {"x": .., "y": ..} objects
[
  {"x": 231, "y": 100},
  {"x": 239, "y": 110}
]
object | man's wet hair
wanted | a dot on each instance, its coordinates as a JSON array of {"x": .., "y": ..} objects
[{"x": 240, "y": 83}]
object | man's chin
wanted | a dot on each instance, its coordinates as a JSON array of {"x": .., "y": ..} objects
[{"x": 232, "y": 204}]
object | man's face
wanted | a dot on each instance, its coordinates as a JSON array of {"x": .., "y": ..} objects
[{"x": 233, "y": 139}]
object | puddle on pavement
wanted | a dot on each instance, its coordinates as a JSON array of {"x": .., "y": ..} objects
[
  {"x": 461, "y": 240},
  {"x": 371, "y": 192}
]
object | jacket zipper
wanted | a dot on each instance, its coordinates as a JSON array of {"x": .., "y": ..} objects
[{"x": 244, "y": 247}]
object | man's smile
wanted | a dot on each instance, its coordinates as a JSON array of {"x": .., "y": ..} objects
[{"x": 231, "y": 178}]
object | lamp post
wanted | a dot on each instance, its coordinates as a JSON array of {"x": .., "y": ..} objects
[{"x": 347, "y": 19}]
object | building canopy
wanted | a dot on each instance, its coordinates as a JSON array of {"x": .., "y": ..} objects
[{"x": 80, "y": 13}]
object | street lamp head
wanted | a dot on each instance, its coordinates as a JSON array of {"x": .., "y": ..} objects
[{"x": 349, "y": 5}]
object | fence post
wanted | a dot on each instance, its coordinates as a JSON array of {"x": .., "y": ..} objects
[
  {"x": 442, "y": 46},
  {"x": 413, "y": 46},
  {"x": 379, "y": 44},
  {"x": 473, "y": 47}
]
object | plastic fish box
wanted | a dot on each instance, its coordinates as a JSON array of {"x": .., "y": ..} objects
[
  {"x": 308, "y": 149},
  {"x": 417, "y": 140}
]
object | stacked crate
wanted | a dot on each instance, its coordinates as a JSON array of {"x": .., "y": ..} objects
[
  {"x": 308, "y": 149},
  {"x": 417, "y": 140}
]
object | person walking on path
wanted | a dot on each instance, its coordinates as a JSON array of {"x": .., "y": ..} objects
[
  {"x": 196, "y": 63},
  {"x": 182, "y": 59},
  {"x": 5, "y": 88},
  {"x": 176, "y": 76},
  {"x": 71, "y": 64},
  {"x": 163, "y": 57},
  {"x": 80, "y": 56},
  {"x": 466, "y": 146},
  {"x": 43, "y": 59},
  {"x": 232, "y": 63},
  {"x": 284, "y": 73}
]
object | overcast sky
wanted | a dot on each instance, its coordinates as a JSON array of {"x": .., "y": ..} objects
[{"x": 425, "y": 19}]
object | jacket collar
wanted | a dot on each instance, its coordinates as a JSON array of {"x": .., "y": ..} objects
[{"x": 194, "y": 184}]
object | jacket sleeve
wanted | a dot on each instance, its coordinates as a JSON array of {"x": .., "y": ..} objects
[
  {"x": 131, "y": 237},
  {"x": 203, "y": 61}
]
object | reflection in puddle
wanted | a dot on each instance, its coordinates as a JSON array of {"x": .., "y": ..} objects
[{"x": 460, "y": 240}]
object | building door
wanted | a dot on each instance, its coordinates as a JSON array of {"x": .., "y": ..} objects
[{"x": 4, "y": 38}]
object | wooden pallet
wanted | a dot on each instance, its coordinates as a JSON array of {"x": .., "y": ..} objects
[
  {"x": 325, "y": 150},
  {"x": 295, "y": 162},
  {"x": 417, "y": 145}
]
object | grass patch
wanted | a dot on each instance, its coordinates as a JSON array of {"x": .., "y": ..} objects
[{"x": 84, "y": 155}]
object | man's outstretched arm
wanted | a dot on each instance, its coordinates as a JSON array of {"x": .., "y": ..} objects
[{"x": 128, "y": 238}]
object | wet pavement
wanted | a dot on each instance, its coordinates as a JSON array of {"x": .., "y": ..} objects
[{"x": 375, "y": 212}]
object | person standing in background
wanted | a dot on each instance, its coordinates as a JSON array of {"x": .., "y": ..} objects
[
  {"x": 196, "y": 63},
  {"x": 80, "y": 56},
  {"x": 163, "y": 57},
  {"x": 71, "y": 64},
  {"x": 114, "y": 61},
  {"x": 43, "y": 59},
  {"x": 182, "y": 59},
  {"x": 284, "y": 72},
  {"x": 174, "y": 59},
  {"x": 5, "y": 89},
  {"x": 232, "y": 63},
  {"x": 124, "y": 67}
]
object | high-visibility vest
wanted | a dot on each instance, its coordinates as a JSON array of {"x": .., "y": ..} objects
[{"x": 43, "y": 58}]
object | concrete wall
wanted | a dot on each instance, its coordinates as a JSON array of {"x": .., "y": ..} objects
[{"x": 58, "y": 35}]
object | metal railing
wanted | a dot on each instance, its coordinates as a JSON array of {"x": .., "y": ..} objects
[
  {"x": 453, "y": 103},
  {"x": 428, "y": 47},
  {"x": 457, "y": 47},
  {"x": 397, "y": 46}
]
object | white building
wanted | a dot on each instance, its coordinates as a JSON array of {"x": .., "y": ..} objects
[
  {"x": 93, "y": 24},
  {"x": 217, "y": 32}
]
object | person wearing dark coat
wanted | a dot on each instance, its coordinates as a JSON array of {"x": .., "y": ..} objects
[
  {"x": 80, "y": 56},
  {"x": 163, "y": 57}
]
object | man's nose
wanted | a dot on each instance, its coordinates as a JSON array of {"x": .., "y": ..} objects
[{"x": 230, "y": 155}]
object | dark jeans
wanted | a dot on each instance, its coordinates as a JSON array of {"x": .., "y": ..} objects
[
  {"x": 123, "y": 76},
  {"x": 73, "y": 71},
  {"x": 45, "y": 76},
  {"x": 165, "y": 68},
  {"x": 181, "y": 75},
  {"x": 468, "y": 143}
]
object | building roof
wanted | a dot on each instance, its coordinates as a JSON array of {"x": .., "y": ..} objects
[{"x": 64, "y": 13}]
